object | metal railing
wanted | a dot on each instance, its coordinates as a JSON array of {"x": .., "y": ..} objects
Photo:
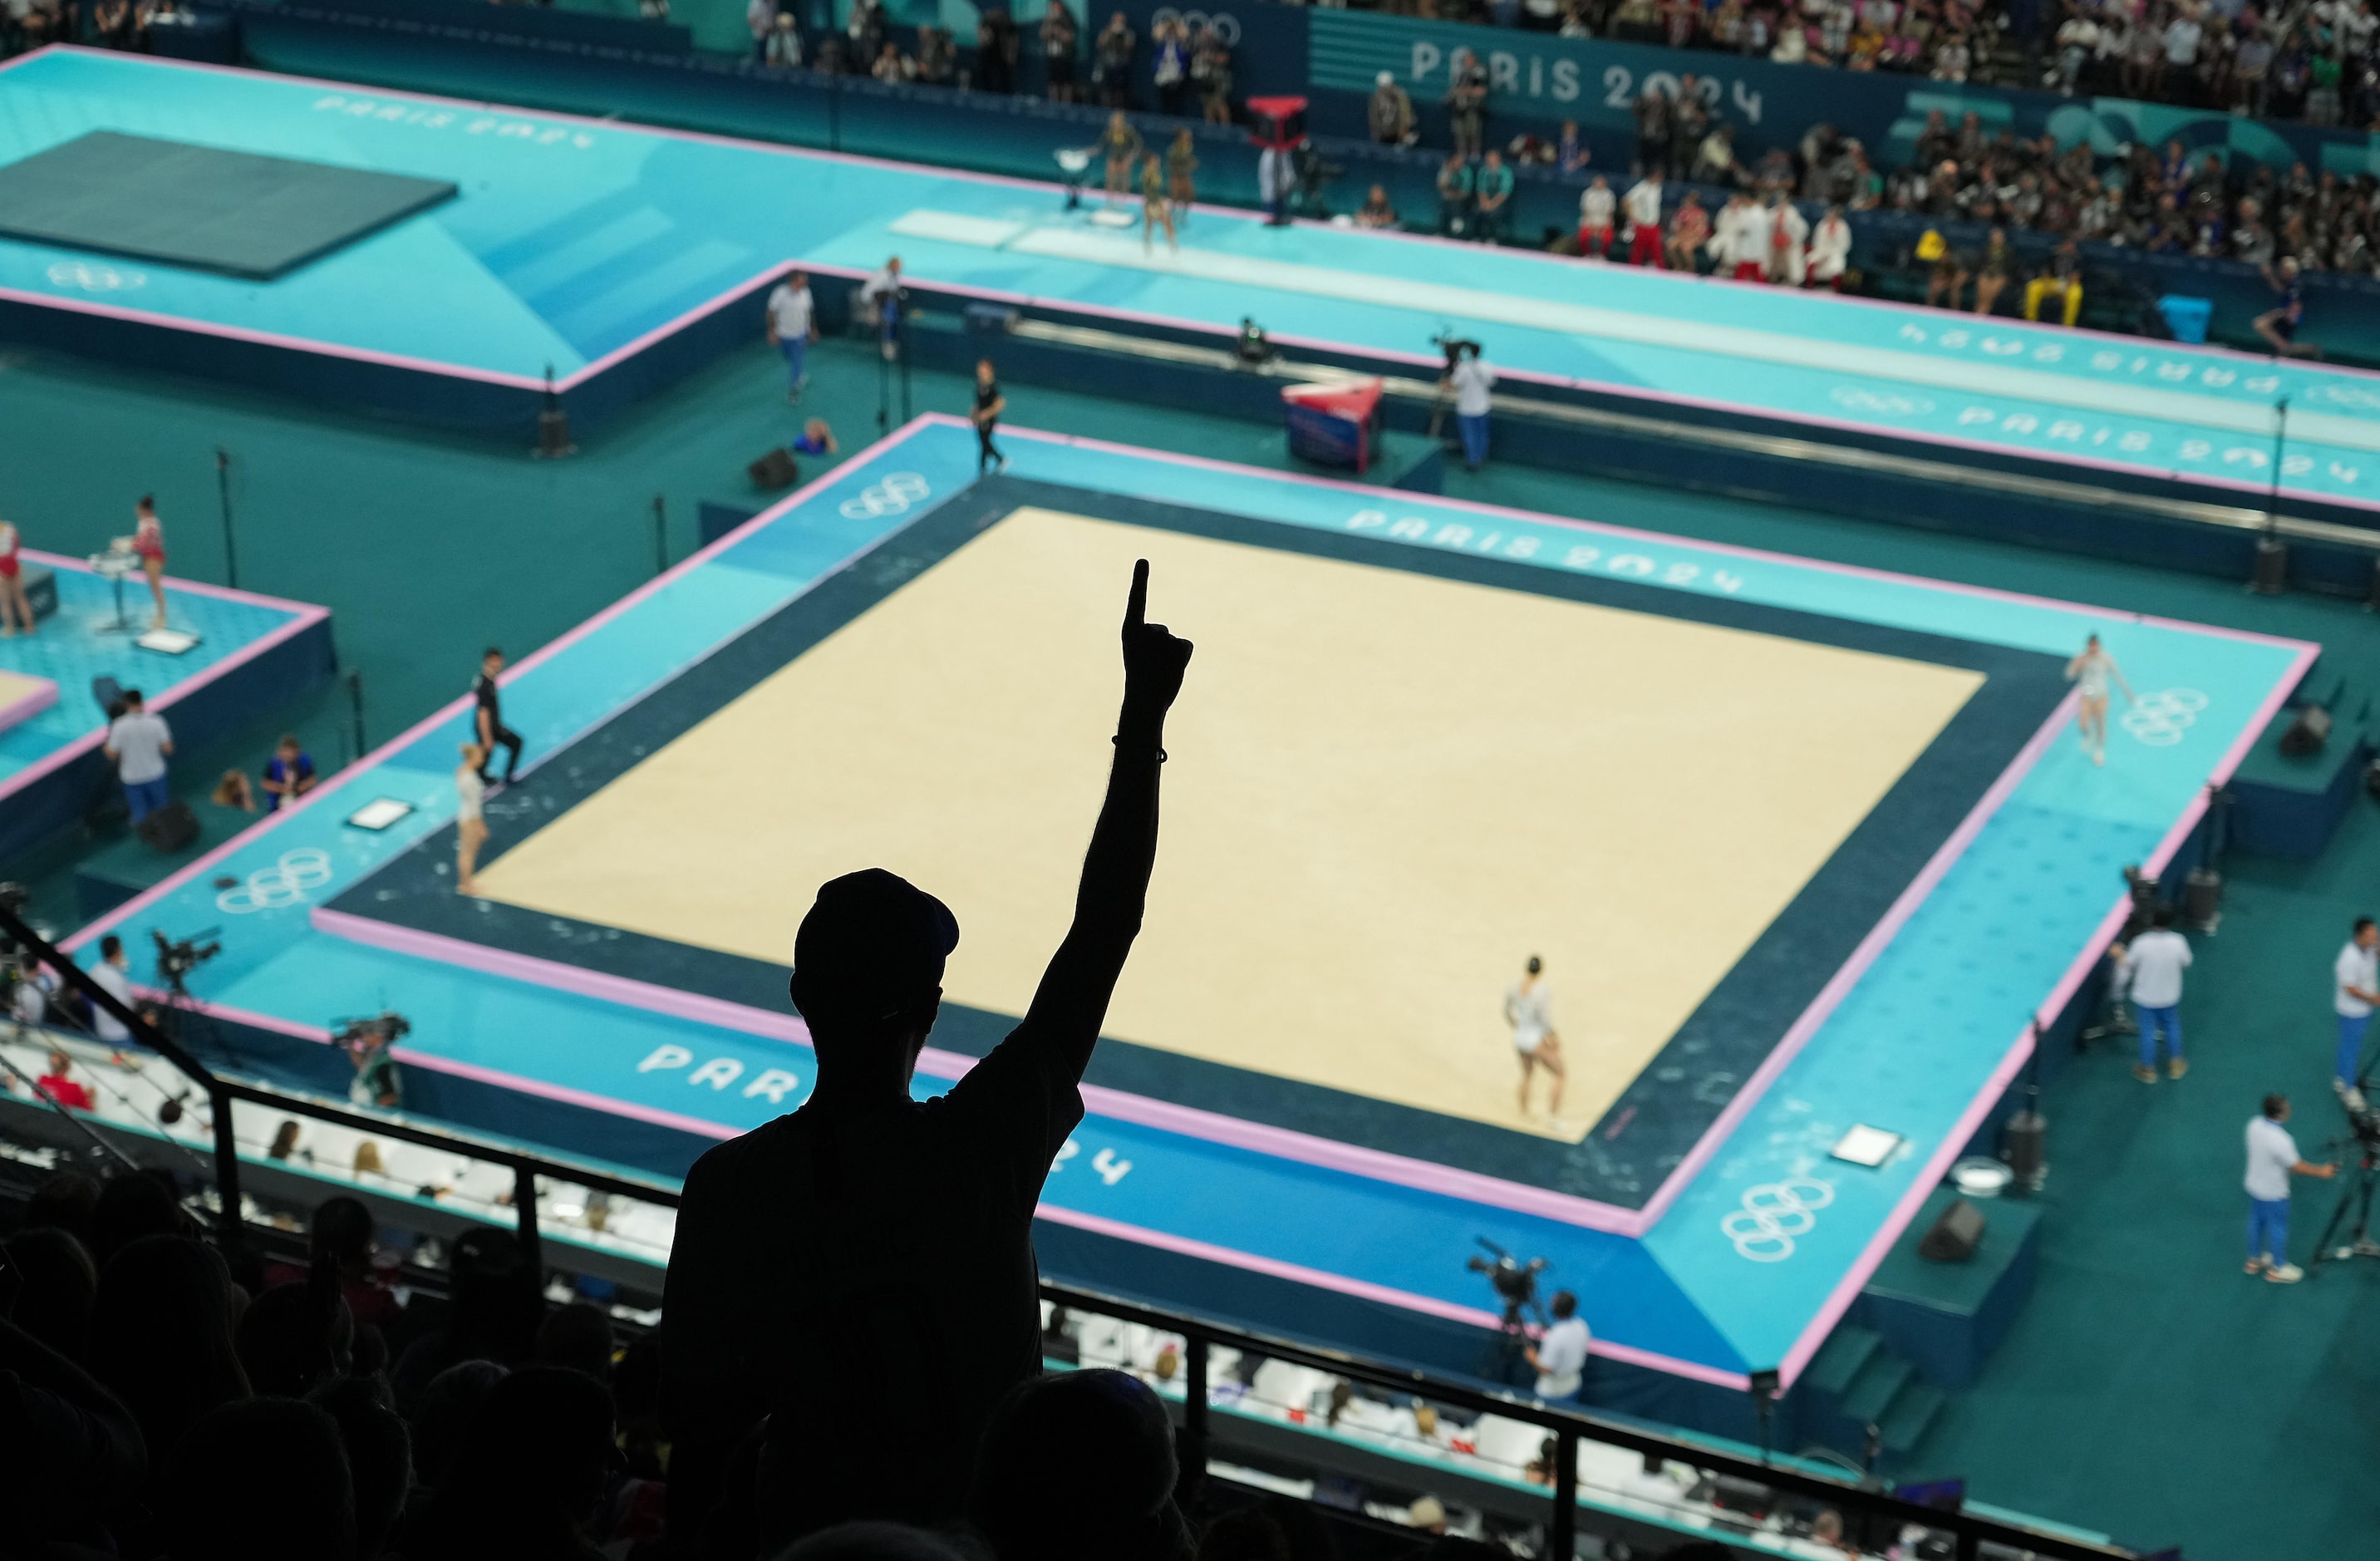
[{"x": 1568, "y": 1428}]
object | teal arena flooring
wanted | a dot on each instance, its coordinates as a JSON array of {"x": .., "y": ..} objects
[
  {"x": 576, "y": 245},
  {"x": 1715, "y": 1286}
]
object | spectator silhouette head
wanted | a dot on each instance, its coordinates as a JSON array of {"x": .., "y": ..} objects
[
  {"x": 497, "y": 1303},
  {"x": 867, "y": 973},
  {"x": 58, "y": 1282},
  {"x": 340, "y": 1233},
  {"x": 66, "y": 1199},
  {"x": 161, "y": 1335},
  {"x": 132, "y": 1205},
  {"x": 1249, "y": 1534},
  {"x": 380, "y": 1456},
  {"x": 1079, "y": 1467},
  {"x": 447, "y": 1408},
  {"x": 213, "y": 1497},
  {"x": 296, "y": 1338},
  {"x": 580, "y": 1337},
  {"x": 871, "y": 1542},
  {"x": 532, "y": 1471}
]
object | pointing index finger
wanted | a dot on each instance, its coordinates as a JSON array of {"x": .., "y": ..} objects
[{"x": 1135, "y": 612}]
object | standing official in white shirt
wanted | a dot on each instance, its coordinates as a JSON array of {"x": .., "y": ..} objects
[
  {"x": 2272, "y": 1160},
  {"x": 2354, "y": 989},
  {"x": 793, "y": 326},
  {"x": 1561, "y": 1356}
]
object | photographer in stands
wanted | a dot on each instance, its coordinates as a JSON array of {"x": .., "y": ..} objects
[
  {"x": 1389, "y": 113},
  {"x": 860, "y": 1272}
]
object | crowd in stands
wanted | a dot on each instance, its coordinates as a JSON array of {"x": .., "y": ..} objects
[{"x": 2290, "y": 60}]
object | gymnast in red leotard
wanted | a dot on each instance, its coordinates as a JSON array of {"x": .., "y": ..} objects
[
  {"x": 14, "y": 608},
  {"x": 149, "y": 542}
]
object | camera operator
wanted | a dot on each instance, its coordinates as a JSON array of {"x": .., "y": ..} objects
[
  {"x": 2154, "y": 961},
  {"x": 2355, "y": 988},
  {"x": 1561, "y": 1356},
  {"x": 1468, "y": 375},
  {"x": 2272, "y": 1159}
]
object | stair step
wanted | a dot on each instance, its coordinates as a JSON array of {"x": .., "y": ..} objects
[
  {"x": 1847, "y": 1349},
  {"x": 1870, "y": 1397},
  {"x": 1912, "y": 1416}
]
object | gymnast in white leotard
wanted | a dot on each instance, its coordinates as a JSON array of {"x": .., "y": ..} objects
[
  {"x": 2091, "y": 673},
  {"x": 1528, "y": 1009}
]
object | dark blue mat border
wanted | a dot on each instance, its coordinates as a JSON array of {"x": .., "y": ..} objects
[{"x": 1646, "y": 1131}]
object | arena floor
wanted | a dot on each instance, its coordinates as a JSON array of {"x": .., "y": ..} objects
[
  {"x": 896, "y": 572},
  {"x": 576, "y": 244}
]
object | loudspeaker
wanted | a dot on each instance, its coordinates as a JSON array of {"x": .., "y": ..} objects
[
  {"x": 170, "y": 828},
  {"x": 775, "y": 469},
  {"x": 1955, "y": 1236},
  {"x": 2307, "y": 733}
]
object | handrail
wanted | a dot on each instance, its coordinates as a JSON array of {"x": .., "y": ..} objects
[{"x": 1567, "y": 1426}]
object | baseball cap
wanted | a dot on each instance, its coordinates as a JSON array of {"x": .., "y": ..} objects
[{"x": 873, "y": 942}]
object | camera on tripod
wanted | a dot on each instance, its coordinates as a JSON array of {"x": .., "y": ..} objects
[
  {"x": 177, "y": 958},
  {"x": 1515, "y": 1284},
  {"x": 1455, "y": 348},
  {"x": 385, "y": 1028}
]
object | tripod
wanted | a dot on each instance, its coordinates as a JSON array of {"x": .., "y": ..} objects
[
  {"x": 894, "y": 350},
  {"x": 2358, "y": 1196}
]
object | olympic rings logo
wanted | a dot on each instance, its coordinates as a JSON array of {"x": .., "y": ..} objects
[
  {"x": 1773, "y": 1215},
  {"x": 1889, "y": 403},
  {"x": 892, "y": 496},
  {"x": 2159, "y": 719},
  {"x": 281, "y": 884},
  {"x": 95, "y": 278},
  {"x": 1226, "y": 25}
]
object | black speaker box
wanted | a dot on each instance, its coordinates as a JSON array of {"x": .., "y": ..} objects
[
  {"x": 1955, "y": 1236},
  {"x": 170, "y": 828},
  {"x": 776, "y": 470},
  {"x": 2307, "y": 733}
]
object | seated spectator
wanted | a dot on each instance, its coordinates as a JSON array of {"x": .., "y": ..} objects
[
  {"x": 493, "y": 1308},
  {"x": 131, "y": 1205},
  {"x": 57, "y": 1286},
  {"x": 213, "y": 1502},
  {"x": 1080, "y": 1467},
  {"x": 161, "y": 1335},
  {"x": 233, "y": 791},
  {"x": 294, "y": 1338},
  {"x": 1995, "y": 270},
  {"x": 1572, "y": 154},
  {"x": 288, "y": 774},
  {"x": 878, "y": 1380},
  {"x": 1376, "y": 211},
  {"x": 1830, "y": 251},
  {"x": 580, "y": 1337},
  {"x": 60, "y": 1084},
  {"x": 529, "y": 1481},
  {"x": 2062, "y": 278},
  {"x": 864, "y": 33},
  {"x": 444, "y": 1413},
  {"x": 75, "y": 1466},
  {"x": 379, "y": 1457},
  {"x": 891, "y": 66},
  {"x": 65, "y": 1200},
  {"x": 1946, "y": 271},
  {"x": 1715, "y": 162},
  {"x": 2278, "y": 325}
]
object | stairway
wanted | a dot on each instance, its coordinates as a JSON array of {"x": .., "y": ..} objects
[{"x": 1858, "y": 1381}]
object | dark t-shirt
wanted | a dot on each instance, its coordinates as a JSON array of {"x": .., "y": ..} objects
[
  {"x": 986, "y": 397},
  {"x": 869, "y": 1283},
  {"x": 485, "y": 692}
]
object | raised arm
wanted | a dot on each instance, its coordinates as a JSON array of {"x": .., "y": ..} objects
[{"x": 1072, "y": 1002}]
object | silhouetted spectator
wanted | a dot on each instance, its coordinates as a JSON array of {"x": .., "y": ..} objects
[
  {"x": 66, "y": 1199},
  {"x": 58, "y": 1284},
  {"x": 132, "y": 1205},
  {"x": 1080, "y": 1467},
  {"x": 1060, "y": 41},
  {"x": 380, "y": 1456},
  {"x": 72, "y": 1460},
  {"x": 1248, "y": 1534},
  {"x": 494, "y": 1309},
  {"x": 530, "y": 1478},
  {"x": 294, "y": 1338},
  {"x": 580, "y": 1337},
  {"x": 862, "y": 1270},
  {"x": 873, "y": 1542},
  {"x": 1111, "y": 53},
  {"x": 161, "y": 1335},
  {"x": 342, "y": 1232},
  {"x": 267, "y": 1477},
  {"x": 445, "y": 1413}
]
